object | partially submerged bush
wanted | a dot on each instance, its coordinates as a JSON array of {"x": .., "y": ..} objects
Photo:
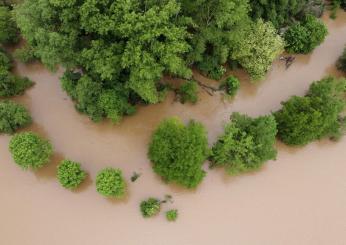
[
  {"x": 230, "y": 85},
  {"x": 178, "y": 152},
  {"x": 30, "y": 150},
  {"x": 13, "y": 116},
  {"x": 25, "y": 54},
  {"x": 93, "y": 99},
  {"x": 150, "y": 207},
  {"x": 5, "y": 60},
  {"x": 246, "y": 144},
  {"x": 8, "y": 28},
  {"x": 341, "y": 64},
  {"x": 317, "y": 115},
  {"x": 172, "y": 215},
  {"x": 70, "y": 174},
  {"x": 110, "y": 183},
  {"x": 188, "y": 92},
  {"x": 11, "y": 85},
  {"x": 305, "y": 36}
]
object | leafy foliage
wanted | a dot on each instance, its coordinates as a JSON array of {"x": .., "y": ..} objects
[
  {"x": 257, "y": 47},
  {"x": 8, "y": 28},
  {"x": 70, "y": 174},
  {"x": 188, "y": 92},
  {"x": 172, "y": 215},
  {"x": 282, "y": 13},
  {"x": 341, "y": 64},
  {"x": 131, "y": 42},
  {"x": 150, "y": 207},
  {"x": 315, "y": 116},
  {"x": 30, "y": 150},
  {"x": 5, "y": 60},
  {"x": 246, "y": 144},
  {"x": 25, "y": 54},
  {"x": 178, "y": 152},
  {"x": 110, "y": 183},
  {"x": 13, "y": 116},
  {"x": 94, "y": 99},
  {"x": 230, "y": 85},
  {"x": 11, "y": 85},
  {"x": 305, "y": 36}
]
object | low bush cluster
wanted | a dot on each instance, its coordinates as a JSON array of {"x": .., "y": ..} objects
[
  {"x": 11, "y": 85},
  {"x": 30, "y": 150},
  {"x": 13, "y": 116},
  {"x": 70, "y": 174},
  {"x": 246, "y": 144},
  {"x": 230, "y": 86},
  {"x": 150, "y": 207},
  {"x": 341, "y": 64},
  {"x": 178, "y": 152},
  {"x": 305, "y": 36},
  {"x": 314, "y": 116},
  {"x": 110, "y": 183},
  {"x": 8, "y": 28},
  {"x": 188, "y": 92},
  {"x": 172, "y": 215}
]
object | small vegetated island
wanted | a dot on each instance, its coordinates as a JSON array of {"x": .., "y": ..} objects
[{"x": 117, "y": 53}]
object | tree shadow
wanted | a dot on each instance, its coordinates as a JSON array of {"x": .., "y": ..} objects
[
  {"x": 116, "y": 201},
  {"x": 49, "y": 170},
  {"x": 84, "y": 185}
]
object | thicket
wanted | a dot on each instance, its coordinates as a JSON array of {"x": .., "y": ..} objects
[
  {"x": 5, "y": 60},
  {"x": 188, "y": 92},
  {"x": 150, "y": 207},
  {"x": 177, "y": 152},
  {"x": 314, "y": 116},
  {"x": 8, "y": 28},
  {"x": 110, "y": 183},
  {"x": 305, "y": 36},
  {"x": 341, "y": 64},
  {"x": 13, "y": 116},
  {"x": 30, "y": 150},
  {"x": 247, "y": 143},
  {"x": 70, "y": 174}
]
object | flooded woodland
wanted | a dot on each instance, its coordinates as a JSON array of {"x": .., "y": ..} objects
[{"x": 298, "y": 199}]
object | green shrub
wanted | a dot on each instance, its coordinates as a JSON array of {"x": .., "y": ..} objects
[
  {"x": 230, "y": 85},
  {"x": 341, "y": 64},
  {"x": 305, "y": 36},
  {"x": 110, "y": 183},
  {"x": 70, "y": 174},
  {"x": 8, "y": 28},
  {"x": 30, "y": 150},
  {"x": 11, "y": 85},
  {"x": 5, "y": 60},
  {"x": 25, "y": 54},
  {"x": 188, "y": 92},
  {"x": 317, "y": 115},
  {"x": 13, "y": 116},
  {"x": 246, "y": 144},
  {"x": 178, "y": 152},
  {"x": 172, "y": 215},
  {"x": 150, "y": 207}
]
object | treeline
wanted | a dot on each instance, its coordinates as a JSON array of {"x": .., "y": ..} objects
[{"x": 122, "y": 49}]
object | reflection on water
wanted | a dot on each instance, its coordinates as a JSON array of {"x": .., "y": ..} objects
[{"x": 298, "y": 199}]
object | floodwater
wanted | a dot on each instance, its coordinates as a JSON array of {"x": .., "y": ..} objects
[{"x": 299, "y": 199}]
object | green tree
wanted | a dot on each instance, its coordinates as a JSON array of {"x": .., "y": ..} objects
[
  {"x": 8, "y": 28},
  {"x": 30, "y": 150},
  {"x": 317, "y": 115},
  {"x": 246, "y": 144},
  {"x": 305, "y": 36},
  {"x": 178, "y": 152},
  {"x": 110, "y": 183},
  {"x": 70, "y": 174},
  {"x": 129, "y": 43},
  {"x": 230, "y": 85},
  {"x": 150, "y": 207},
  {"x": 188, "y": 92},
  {"x": 341, "y": 64},
  {"x": 13, "y": 116},
  {"x": 5, "y": 60},
  {"x": 172, "y": 215},
  {"x": 257, "y": 47},
  {"x": 11, "y": 85}
]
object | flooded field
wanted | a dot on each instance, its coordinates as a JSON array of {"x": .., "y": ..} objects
[{"x": 299, "y": 199}]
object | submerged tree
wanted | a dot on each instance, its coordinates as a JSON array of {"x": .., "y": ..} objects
[
  {"x": 246, "y": 144},
  {"x": 315, "y": 116},
  {"x": 178, "y": 152},
  {"x": 13, "y": 116},
  {"x": 70, "y": 174}
]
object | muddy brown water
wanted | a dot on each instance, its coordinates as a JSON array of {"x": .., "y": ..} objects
[{"x": 299, "y": 199}]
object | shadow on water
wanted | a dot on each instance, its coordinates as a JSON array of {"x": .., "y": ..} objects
[
  {"x": 49, "y": 171},
  {"x": 84, "y": 185}
]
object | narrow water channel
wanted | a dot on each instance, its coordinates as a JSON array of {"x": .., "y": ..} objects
[{"x": 299, "y": 199}]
